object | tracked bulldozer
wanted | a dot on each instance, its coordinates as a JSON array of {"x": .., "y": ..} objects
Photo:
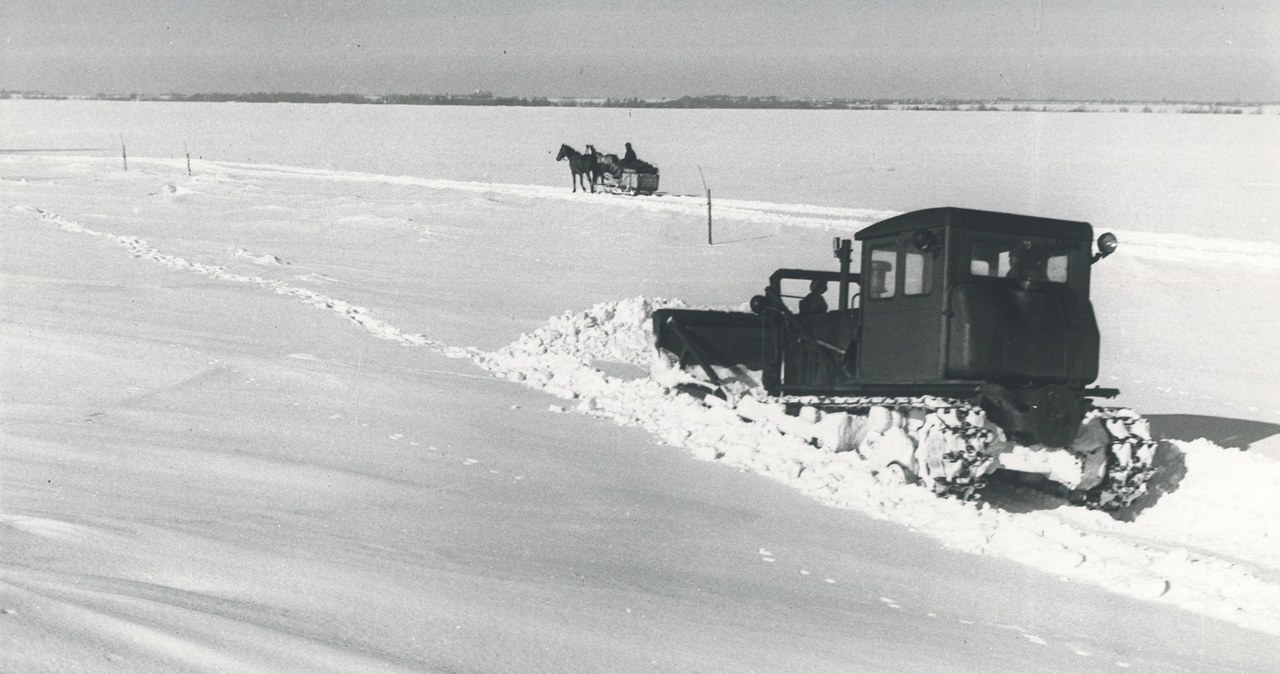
[{"x": 964, "y": 346}]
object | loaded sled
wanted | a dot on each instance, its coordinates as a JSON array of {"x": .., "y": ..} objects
[{"x": 626, "y": 176}]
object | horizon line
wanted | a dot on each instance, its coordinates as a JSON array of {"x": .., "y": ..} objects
[{"x": 481, "y": 96}]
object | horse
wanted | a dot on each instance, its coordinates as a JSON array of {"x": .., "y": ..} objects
[
  {"x": 606, "y": 164},
  {"x": 581, "y": 167}
]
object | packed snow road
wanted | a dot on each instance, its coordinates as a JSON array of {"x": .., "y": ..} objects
[{"x": 464, "y": 273}]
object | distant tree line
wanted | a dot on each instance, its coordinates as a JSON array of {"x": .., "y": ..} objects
[
  {"x": 482, "y": 98},
  {"x": 701, "y": 102}
]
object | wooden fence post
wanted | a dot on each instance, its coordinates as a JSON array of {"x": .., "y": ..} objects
[
  {"x": 708, "y": 189},
  {"x": 709, "y": 242}
]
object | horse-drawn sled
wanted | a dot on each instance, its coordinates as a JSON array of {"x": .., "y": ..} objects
[
  {"x": 626, "y": 176},
  {"x": 618, "y": 176}
]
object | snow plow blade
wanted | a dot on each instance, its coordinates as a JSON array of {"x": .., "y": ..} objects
[{"x": 721, "y": 344}]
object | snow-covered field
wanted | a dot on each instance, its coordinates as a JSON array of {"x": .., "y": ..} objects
[{"x": 367, "y": 392}]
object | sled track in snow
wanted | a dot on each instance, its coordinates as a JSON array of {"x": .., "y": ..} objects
[
  {"x": 763, "y": 212},
  {"x": 1182, "y": 248},
  {"x": 1236, "y": 581}
]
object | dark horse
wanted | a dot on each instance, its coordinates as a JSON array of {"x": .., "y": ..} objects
[
  {"x": 581, "y": 166},
  {"x": 606, "y": 164}
]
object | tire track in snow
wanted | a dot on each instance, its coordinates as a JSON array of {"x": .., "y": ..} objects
[
  {"x": 139, "y": 248},
  {"x": 560, "y": 358}
]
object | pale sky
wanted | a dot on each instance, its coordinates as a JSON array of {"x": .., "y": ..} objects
[{"x": 1021, "y": 49}]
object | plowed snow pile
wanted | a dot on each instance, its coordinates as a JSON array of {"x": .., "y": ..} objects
[{"x": 1210, "y": 546}]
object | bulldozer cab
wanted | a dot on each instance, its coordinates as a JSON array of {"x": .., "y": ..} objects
[
  {"x": 944, "y": 301},
  {"x": 958, "y": 295}
]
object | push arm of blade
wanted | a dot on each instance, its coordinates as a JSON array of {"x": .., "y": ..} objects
[
  {"x": 691, "y": 349},
  {"x": 795, "y": 323}
]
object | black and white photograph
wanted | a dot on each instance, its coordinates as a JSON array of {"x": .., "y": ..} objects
[{"x": 538, "y": 336}]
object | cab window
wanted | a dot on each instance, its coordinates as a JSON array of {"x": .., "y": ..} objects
[
  {"x": 1025, "y": 260},
  {"x": 883, "y": 281},
  {"x": 917, "y": 273},
  {"x": 1056, "y": 268},
  {"x": 990, "y": 259}
]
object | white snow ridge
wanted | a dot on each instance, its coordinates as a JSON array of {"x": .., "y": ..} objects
[{"x": 1209, "y": 546}]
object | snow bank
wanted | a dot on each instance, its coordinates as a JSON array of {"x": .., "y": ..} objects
[{"x": 1206, "y": 541}]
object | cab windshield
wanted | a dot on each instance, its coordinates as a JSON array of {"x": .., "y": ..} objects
[{"x": 1026, "y": 260}]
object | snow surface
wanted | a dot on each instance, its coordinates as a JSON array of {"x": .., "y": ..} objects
[{"x": 202, "y": 470}]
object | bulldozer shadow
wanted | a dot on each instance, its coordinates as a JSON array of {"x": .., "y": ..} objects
[
  {"x": 1222, "y": 431},
  {"x": 1171, "y": 462}
]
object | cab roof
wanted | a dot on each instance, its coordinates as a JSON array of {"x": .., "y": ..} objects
[{"x": 987, "y": 221}]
